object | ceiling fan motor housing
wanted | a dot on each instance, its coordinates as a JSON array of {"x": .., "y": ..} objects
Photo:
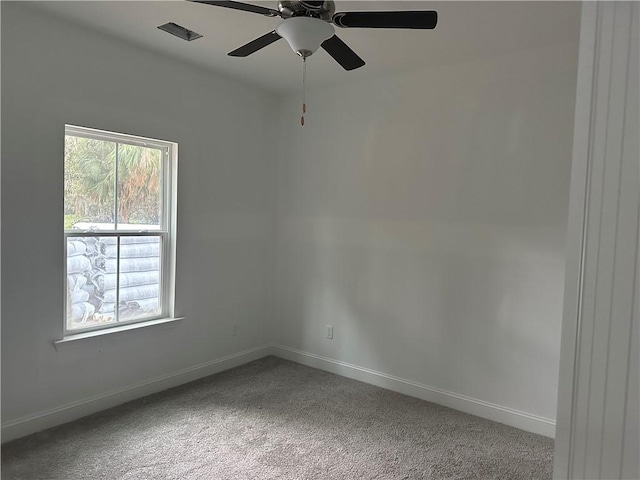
[{"x": 322, "y": 9}]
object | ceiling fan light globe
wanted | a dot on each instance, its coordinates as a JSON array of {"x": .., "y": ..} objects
[{"x": 305, "y": 34}]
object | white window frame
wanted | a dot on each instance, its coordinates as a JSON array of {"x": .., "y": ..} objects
[{"x": 166, "y": 233}]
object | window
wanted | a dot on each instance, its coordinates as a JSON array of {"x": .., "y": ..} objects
[{"x": 119, "y": 217}]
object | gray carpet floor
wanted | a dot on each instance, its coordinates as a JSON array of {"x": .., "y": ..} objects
[{"x": 275, "y": 419}]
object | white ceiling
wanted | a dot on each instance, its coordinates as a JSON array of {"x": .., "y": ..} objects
[{"x": 465, "y": 30}]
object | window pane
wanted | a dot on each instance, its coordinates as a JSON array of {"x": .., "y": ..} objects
[
  {"x": 139, "y": 187},
  {"x": 88, "y": 260},
  {"x": 139, "y": 278},
  {"x": 89, "y": 183}
]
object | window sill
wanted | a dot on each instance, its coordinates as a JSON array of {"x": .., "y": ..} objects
[{"x": 79, "y": 338}]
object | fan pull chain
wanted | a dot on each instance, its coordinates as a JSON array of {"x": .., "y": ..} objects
[{"x": 304, "y": 90}]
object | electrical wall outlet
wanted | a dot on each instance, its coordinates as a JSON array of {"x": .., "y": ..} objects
[
  {"x": 235, "y": 329},
  {"x": 330, "y": 331}
]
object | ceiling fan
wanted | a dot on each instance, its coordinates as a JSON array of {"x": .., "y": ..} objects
[{"x": 309, "y": 24}]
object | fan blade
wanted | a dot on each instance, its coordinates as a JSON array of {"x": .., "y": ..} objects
[
  {"x": 342, "y": 54},
  {"x": 412, "y": 19},
  {"x": 245, "y": 7},
  {"x": 255, "y": 45}
]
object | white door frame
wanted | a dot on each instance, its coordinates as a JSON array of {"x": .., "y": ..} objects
[{"x": 597, "y": 426}]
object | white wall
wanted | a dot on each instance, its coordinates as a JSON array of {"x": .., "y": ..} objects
[
  {"x": 424, "y": 216},
  {"x": 55, "y": 73}
]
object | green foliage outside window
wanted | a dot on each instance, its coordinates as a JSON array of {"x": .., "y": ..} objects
[{"x": 90, "y": 182}]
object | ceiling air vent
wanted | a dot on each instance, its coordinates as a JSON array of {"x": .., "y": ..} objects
[{"x": 179, "y": 31}]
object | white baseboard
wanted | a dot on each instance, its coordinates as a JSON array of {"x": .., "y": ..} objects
[
  {"x": 72, "y": 411},
  {"x": 473, "y": 406},
  {"x": 67, "y": 413}
]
